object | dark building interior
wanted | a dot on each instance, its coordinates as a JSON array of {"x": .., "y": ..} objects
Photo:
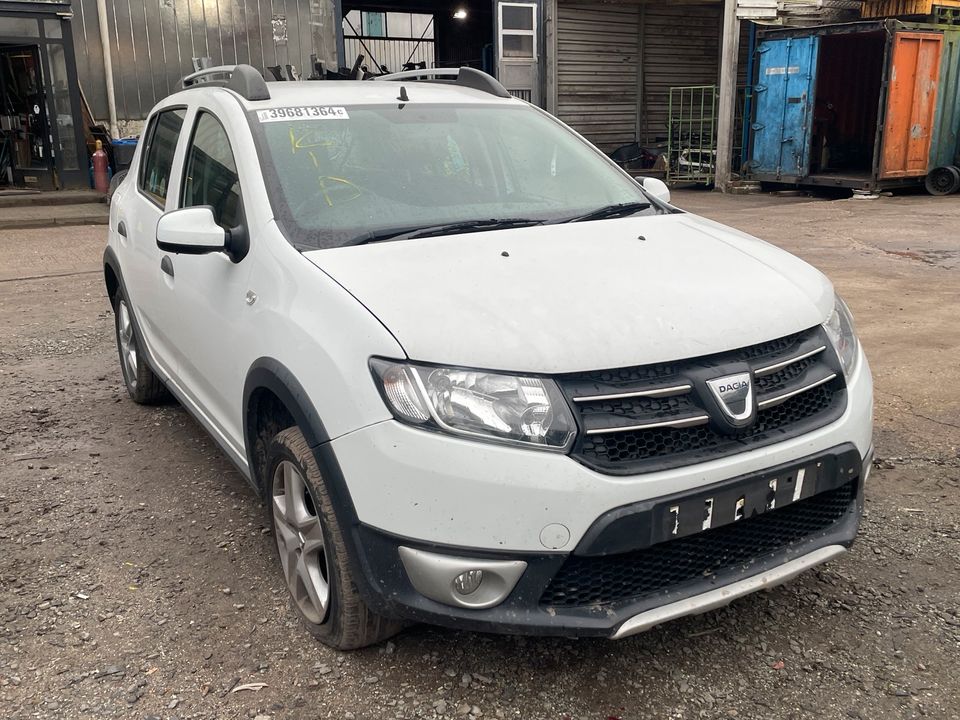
[{"x": 462, "y": 29}]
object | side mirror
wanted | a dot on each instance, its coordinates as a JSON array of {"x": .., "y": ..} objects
[
  {"x": 656, "y": 187},
  {"x": 191, "y": 231}
]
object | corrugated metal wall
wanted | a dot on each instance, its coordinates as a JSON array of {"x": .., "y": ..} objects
[
  {"x": 680, "y": 47},
  {"x": 153, "y": 41},
  {"x": 605, "y": 52},
  {"x": 597, "y": 59}
]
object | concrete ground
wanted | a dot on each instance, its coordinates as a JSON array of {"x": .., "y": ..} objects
[
  {"x": 138, "y": 580},
  {"x": 25, "y": 209}
]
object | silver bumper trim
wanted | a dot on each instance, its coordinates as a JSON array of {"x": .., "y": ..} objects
[
  {"x": 433, "y": 576},
  {"x": 723, "y": 595}
]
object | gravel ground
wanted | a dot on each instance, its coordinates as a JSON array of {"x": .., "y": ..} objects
[{"x": 137, "y": 575}]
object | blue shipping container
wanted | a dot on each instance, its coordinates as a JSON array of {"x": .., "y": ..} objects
[{"x": 784, "y": 106}]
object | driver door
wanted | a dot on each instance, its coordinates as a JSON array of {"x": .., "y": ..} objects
[{"x": 206, "y": 294}]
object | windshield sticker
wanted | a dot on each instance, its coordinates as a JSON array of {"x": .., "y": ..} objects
[{"x": 303, "y": 112}]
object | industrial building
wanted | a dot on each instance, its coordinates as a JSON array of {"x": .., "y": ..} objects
[{"x": 673, "y": 86}]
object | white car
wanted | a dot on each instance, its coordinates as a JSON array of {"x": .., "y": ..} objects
[{"x": 481, "y": 376}]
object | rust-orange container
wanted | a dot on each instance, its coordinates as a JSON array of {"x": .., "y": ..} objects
[{"x": 911, "y": 104}]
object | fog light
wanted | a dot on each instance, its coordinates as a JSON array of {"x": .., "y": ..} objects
[
  {"x": 473, "y": 583},
  {"x": 469, "y": 582}
]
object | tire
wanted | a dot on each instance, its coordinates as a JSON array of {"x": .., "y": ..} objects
[
  {"x": 943, "y": 180},
  {"x": 143, "y": 386},
  {"x": 312, "y": 552}
]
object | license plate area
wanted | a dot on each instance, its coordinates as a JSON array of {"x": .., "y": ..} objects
[
  {"x": 658, "y": 520},
  {"x": 745, "y": 498}
]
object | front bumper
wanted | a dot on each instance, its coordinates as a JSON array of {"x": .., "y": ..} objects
[
  {"x": 462, "y": 499},
  {"x": 534, "y": 606},
  {"x": 447, "y": 490}
]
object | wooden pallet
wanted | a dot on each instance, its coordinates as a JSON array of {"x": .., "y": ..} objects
[{"x": 893, "y": 8}]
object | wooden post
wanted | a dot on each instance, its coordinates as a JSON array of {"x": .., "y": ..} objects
[
  {"x": 549, "y": 63},
  {"x": 729, "y": 50}
]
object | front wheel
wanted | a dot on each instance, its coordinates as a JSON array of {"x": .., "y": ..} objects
[{"x": 313, "y": 556}]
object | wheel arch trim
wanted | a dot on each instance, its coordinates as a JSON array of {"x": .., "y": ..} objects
[
  {"x": 267, "y": 373},
  {"x": 270, "y": 374},
  {"x": 111, "y": 263}
]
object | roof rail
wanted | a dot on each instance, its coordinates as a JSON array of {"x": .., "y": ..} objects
[
  {"x": 465, "y": 76},
  {"x": 245, "y": 80}
]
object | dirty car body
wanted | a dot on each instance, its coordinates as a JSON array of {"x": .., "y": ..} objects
[{"x": 541, "y": 399}]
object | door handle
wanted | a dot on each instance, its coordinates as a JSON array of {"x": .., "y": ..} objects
[
  {"x": 167, "y": 265},
  {"x": 122, "y": 229}
]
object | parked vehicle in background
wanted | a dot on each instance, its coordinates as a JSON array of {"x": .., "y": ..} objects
[{"x": 480, "y": 376}]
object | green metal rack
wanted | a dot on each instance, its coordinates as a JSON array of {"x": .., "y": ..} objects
[{"x": 692, "y": 141}]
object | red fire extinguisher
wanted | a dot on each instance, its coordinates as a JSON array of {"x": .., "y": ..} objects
[{"x": 101, "y": 173}]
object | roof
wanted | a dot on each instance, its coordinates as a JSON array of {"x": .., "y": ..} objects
[
  {"x": 367, "y": 92},
  {"x": 463, "y": 85}
]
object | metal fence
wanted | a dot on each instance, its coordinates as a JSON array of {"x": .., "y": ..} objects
[
  {"x": 692, "y": 138},
  {"x": 391, "y": 53}
]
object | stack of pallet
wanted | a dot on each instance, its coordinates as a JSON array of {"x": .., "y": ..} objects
[{"x": 936, "y": 11}]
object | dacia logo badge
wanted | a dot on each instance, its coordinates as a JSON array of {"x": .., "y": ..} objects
[{"x": 734, "y": 396}]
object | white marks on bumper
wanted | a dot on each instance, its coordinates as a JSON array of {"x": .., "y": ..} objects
[
  {"x": 798, "y": 489},
  {"x": 707, "y": 513}
]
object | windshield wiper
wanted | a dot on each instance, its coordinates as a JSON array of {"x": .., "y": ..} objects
[
  {"x": 372, "y": 237},
  {"x": 407, "y": 233},
  {"x": 611, "y": 211}
]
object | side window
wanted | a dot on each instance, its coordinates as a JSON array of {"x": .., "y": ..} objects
[
  {"x": 211, "y": 175},
  {"x": 157, "y": 160}
]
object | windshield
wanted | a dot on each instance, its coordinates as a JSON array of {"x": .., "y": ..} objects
[{"x": 375, "y": 171}]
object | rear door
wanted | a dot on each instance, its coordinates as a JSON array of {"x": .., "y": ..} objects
[
  {"x": 137, "y": 228},
  {"x": 784, "y": 102},
  {"x": 911, "y": 104}
]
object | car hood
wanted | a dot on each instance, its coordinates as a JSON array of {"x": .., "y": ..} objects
[{"x": 581, "y": 296}]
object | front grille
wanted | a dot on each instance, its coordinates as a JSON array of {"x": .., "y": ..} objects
[
  {"x": 615, "y": 437},
  {"x": 593, "y": 581},
  {"x": 704, "y": 440}
]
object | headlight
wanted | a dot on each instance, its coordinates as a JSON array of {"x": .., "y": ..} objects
[
  {"x": 522, "y": 410},
  {"x": 839, "y": 327}
]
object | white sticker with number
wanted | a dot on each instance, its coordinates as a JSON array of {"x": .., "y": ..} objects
[{"x": 303, "y": 112}]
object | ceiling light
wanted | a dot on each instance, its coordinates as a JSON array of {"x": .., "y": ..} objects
[{"x": 460, "y": 14}]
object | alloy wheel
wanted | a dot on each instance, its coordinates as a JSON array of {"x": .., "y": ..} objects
[
  {"x": 128, "y": 343},
  {"x": 300, "y": 542}
]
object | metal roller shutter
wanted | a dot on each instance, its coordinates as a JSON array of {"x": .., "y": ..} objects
[
  {"x": 680, "y": 47},
  {"x": 597, "y": 61}
]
